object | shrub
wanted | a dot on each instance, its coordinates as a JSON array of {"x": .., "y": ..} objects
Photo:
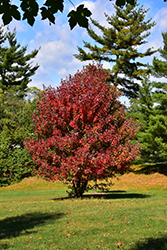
[
  {"x": 82, "y": 131},
  {"x": 15, "y": 161}
]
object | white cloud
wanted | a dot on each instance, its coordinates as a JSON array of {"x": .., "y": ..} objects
[
  {"x": 160, "y": 19},
  {"x": 58, "y": 44}
]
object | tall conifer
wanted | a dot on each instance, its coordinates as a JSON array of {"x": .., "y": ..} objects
[
  {"x": 118, "y": 45},
  {"x": 15, "y": 65},
  {"x": 160, "y": 67},
  {"x": 16, "y": 70},
  {"x": 150, "y": 109}
]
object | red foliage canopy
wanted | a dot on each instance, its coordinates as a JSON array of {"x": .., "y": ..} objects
[{"x": 82, "y": 130}]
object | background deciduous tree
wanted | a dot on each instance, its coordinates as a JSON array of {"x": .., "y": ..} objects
[{"x": 82, "y": 132}]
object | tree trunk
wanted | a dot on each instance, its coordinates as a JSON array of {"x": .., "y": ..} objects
[
  {"x": 95, "y": 185},
  {"x": 79, "y": 187}
]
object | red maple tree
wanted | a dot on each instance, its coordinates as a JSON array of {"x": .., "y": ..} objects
[{"x": 82, "y": 131}]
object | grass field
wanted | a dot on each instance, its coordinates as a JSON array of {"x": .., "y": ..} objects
[{"x": 35, "y": 214}]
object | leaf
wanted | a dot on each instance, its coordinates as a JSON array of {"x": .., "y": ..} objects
[
  {"x": 24, "y": 5},
  {"x": 48, "y": 2},
  {"x": 46, "y": 14},
  {"x": 73, "y": 20},
  {"x": 120, "y": 3},
  {"x": 54, "y": 5},
  {"x": 30, "y": 7},
  {"x": 34, "y": 7},
  {"x": 83, "y": 22},
  {"x": 2, "y": 9},
  {"x": 119, "y": 243},
  {"x": 15, "y": 13},
  {"x": 30, "y": 19},
  {"x": 79, "y": 16},
  {"x": 6, "y": 18}
]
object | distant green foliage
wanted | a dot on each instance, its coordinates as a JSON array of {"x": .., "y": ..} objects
[
  {"x": 15, "y": 161},
  {"x": 15, "y": 108}
]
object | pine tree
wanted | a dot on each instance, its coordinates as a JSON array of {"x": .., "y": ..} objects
[
  {"x": 160, "y": 67},
  {"x": 15, "y": 64},
  {"x": 118, "y": 45},
  {"x": 160, "y": 96},
  {"x": 15, "y": 114},
  {"x": 15, "y": 72},
  {"x": 149, "y": 110}
]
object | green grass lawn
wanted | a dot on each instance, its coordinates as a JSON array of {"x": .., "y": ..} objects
[{"x": 35, "y": 214}]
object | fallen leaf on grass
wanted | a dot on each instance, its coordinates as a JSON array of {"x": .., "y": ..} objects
[{"x": 119, "y": 244}]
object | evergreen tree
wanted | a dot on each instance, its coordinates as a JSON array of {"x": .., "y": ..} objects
[
  {"x": 15, "y": 64},
  {"x": 15, "y": 161},
  {"x": 160, "y": 67},
  {"x": 149, "y": 110},
  {"x": 15, "y": 112},
  {"x": 15, "y": 72},
  {"x": 160, "y": 96},
  {"x": 119, "y": 45}
]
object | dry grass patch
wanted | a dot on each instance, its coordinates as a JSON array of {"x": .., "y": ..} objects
[{"x": 140, "y": 182}]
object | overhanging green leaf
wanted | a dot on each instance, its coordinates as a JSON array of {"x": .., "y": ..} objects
[{"x": 6, "y": 18}]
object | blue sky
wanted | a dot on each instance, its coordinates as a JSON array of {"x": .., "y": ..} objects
[{"x": 58, "y": 43}]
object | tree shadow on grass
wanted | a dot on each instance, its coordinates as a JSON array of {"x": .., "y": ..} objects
[
  {"x": 152, "y": 244},
  {"x": 147, "y": 169},
  {"x": 24, "y": 224},
  {"x": 116, "y": 194}
]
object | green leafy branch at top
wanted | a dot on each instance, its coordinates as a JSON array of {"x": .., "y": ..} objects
[{"x": 31, "y": 8}]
